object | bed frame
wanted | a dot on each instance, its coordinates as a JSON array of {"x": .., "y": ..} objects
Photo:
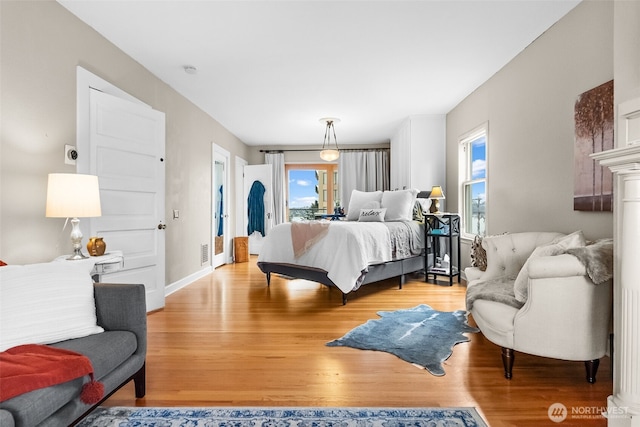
[{"x": 375, "y": 273}]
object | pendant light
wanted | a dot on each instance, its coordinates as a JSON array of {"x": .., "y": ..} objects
[{"x": 329, "y": 154}]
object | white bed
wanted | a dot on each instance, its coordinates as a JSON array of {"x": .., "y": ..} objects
[
  {"x": 380, "y": 239},
  {"x": 350, "y": 253}
]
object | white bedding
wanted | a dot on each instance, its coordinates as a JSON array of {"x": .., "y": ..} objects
[{"x": 348, "y": 248}]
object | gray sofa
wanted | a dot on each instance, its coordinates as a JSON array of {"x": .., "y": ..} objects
[{"x": 117, "y": 355}]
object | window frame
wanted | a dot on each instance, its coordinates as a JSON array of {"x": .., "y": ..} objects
[
  {"x": 465, "y": 178},
  {"x": 331, "y": 170}
]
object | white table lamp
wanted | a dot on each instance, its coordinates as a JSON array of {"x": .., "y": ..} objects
[
  {"x": 71, "y": 195},
  {"x": 435, "y": 196}
]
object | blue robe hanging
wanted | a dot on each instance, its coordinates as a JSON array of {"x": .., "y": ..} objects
[
  {"x": 255, "y": 208},
  {"x": 220, "y": 217}
]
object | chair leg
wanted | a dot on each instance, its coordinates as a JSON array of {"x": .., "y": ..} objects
[
  {"x": 139, "y": 381},
  {"x": 592, "y": 370},
  {"x": 507, "y": 361}
]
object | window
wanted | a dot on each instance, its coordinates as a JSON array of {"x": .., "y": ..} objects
[
  {"x": 311, "y": 190},
  {"x": 473, "y": 182}
]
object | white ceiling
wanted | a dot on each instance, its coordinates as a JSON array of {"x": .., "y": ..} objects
[{"x": 268, "y": 70}]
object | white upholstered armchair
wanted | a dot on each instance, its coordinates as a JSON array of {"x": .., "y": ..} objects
[{"x": 537, "y": 296}]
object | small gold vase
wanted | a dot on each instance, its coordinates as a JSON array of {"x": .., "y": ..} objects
[{"x": 96, "y": 246}]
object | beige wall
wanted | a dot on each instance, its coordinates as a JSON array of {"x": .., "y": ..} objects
[
  {"x": 529, "y": 107},
  {"x": 626, "y": 50},
  {"x": 42, "y": 43}
]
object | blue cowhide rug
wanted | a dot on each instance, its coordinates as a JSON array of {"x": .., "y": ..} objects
[{"x": 420, "y": 335}]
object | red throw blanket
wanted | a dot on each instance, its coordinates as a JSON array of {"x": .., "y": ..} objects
[{"x": 32, "y": 366}]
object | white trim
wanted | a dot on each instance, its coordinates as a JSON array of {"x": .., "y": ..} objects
[
  {"x": 85, "y": 81},
  {"x": 629, "y": 123},
  {"x": 227, "y": 238},
  {"x": 463, "y": 141},
  {"x": 474, "y": 133},
  {"x": 186, "y": 281}
]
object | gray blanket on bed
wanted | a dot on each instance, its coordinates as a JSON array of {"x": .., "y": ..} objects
[
  {"x": 499, "y": 289},
  {"x": 407, "y": 238}
]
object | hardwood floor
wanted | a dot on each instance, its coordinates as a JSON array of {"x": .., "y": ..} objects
[{"x": 229, "y": 340}]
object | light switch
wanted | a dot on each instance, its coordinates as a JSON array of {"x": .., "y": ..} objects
[{"x": 176, "y": 214}]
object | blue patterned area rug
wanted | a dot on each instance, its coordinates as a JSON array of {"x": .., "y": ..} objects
[
  {"x": 419, "y": 335},
  {"x": 283, "y": 417}
]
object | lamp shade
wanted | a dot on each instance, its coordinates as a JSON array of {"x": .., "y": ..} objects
[
  {"x": 436, "y": 192},
  {"x": 71, "y": 195},
  {"x": 329, "y": 155}
]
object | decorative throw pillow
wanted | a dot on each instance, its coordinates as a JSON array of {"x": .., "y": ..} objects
[
  {"x": 358, "y": 199},
  {"x": 372, "y": 215},
  {"x": 425, "y": 204},
  {"x": 418, "y": 214},
  {"x": 478, "y": 254},
  {"x": 399, "y": 204},
  {"x": 556, "y": 247},
  {"x": 46, "y": 303}
]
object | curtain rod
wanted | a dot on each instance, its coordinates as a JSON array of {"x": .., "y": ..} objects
[{"x": 320, "y": 149}]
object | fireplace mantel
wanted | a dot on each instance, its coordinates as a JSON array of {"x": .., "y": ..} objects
[
  {"x": 620, "y": 159},
  {"x": 623, "y": 406}
]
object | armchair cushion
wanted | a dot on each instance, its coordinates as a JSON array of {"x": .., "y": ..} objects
[
  {"x": 556, "y": 247},
  {"x": 496, "y": 321},
  {"x": 507, "y": 253},
  {"x": 472, "y": 274}
]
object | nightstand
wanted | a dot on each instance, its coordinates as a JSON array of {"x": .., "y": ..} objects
[{"x": 442, "y": 231}]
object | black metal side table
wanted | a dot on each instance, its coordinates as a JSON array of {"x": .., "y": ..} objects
[{"x": 442, "y": 229}]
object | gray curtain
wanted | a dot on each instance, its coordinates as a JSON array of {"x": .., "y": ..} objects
[
  {"x": 366, "y": 170},
  {"x": 276, "y": 160}
]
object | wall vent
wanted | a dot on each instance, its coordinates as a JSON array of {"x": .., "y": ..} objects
[{"x": 204, "y": 254}]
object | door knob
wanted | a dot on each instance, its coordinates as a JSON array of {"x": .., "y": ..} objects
[{"x": 162, "y": 226}]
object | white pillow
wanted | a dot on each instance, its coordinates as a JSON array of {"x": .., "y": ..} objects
[
  {"x": 372, "y": 215},
  {"x": 399, "y": 204},
  {"x": 357, "y": 201},
  {"x": 46, "y": 303},
  {"x": 556, "y": 247},
  {"x": 371, "y": 205}
]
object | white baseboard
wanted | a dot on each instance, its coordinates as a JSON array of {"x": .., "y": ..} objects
[{"x": 186, "y": 281}]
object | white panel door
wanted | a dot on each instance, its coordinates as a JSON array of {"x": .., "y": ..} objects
[
  {"x": 261, "y": 174},
  {"x": 127, "y": 143}
]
